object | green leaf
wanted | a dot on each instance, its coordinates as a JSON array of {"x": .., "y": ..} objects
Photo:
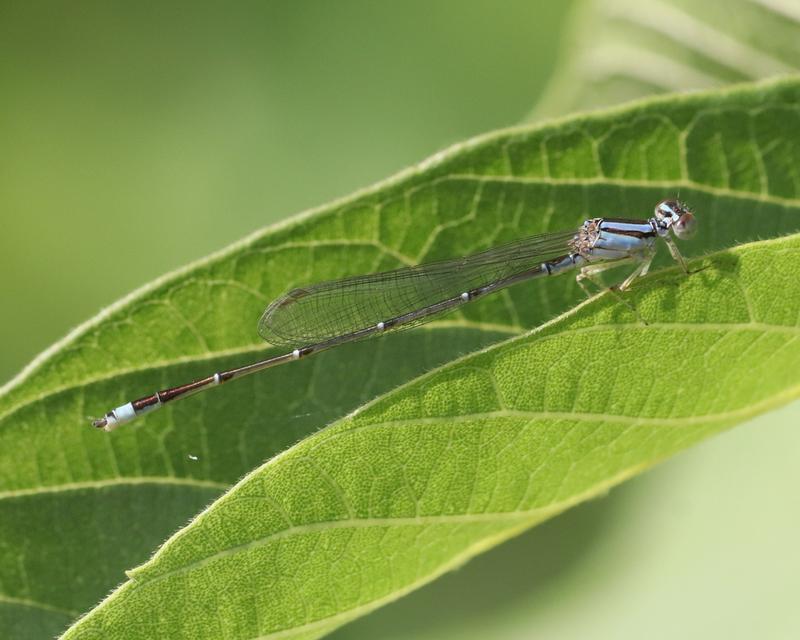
[
  {"x": 418, "y": 481},
  {"x": 732, "y": 154},
  {"x": 618, "y": 50}
]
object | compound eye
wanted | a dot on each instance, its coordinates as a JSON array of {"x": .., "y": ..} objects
[
  {"x": 667, "y": 209},
  {"x": 686, "y": 226}
]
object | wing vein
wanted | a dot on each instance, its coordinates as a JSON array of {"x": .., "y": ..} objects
[{"x": 337, "y": 308}]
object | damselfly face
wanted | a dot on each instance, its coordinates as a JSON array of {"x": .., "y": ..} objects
[{"x": 672, "y": 214}]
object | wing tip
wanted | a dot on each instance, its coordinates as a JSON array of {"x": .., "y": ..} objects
[{"x": 267, "y": 327}]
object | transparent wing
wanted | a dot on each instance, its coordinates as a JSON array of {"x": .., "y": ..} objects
[{"x": 336, "y": 308}]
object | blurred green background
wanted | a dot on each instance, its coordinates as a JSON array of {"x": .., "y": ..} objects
[{"x": 139, "y": 136}]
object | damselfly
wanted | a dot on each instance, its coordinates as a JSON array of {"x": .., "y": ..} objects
[{"x": 320, "y": 316}]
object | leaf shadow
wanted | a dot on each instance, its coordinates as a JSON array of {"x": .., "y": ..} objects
[{"x": 708, "y": 271}]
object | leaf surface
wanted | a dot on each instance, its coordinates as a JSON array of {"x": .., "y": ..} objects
[{"x": 732, "y": 154}]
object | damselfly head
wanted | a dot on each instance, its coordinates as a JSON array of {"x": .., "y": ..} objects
[{"x": 672, "y": 214}]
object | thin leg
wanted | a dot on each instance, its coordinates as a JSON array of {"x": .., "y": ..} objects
[
  {"x": 589, "y": 273},
  {"x": 676, "y": 255},
  {"x": 636, "y": 273}
]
